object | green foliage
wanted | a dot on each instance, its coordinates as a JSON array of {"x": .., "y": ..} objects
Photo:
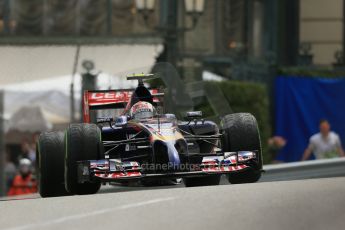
[{"x": 245, "y": 97}]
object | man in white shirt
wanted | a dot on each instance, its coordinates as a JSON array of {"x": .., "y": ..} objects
[{"x": 325, "y": 144}]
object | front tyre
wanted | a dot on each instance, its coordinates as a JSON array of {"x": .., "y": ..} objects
[
  {"x": 241, "y": 133},
  {"x": 82, "y": 142},
  {"x": 50, "y": 164}
]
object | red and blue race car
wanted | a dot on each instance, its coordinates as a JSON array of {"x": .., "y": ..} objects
[{"x": 140, "y": 143}]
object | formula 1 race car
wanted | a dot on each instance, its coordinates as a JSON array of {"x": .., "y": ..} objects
[{"x": 144, "y": 145}]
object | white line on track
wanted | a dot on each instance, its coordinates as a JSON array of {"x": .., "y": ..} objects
[{"x": 89, "y": 214}]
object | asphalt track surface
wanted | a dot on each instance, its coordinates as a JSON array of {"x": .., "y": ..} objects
[{"x": 300, "y": 204}]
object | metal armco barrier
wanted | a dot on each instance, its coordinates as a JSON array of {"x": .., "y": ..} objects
[{"x": 304, "y": 170}]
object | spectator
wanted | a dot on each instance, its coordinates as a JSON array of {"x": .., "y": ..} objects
[
  {"x": 10, "y": 171},
  {"x": 28, "y": 151},
  {"x": 23, "y": 183},
  {"x": 275, "y": 144},
  {"x": 325, "y": 144}
]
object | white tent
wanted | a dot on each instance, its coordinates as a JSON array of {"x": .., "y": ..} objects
[
  {"x": 209, "y": 76},
  {"x": 54, "y": 104},
  {"x": 29, "y": 119}
]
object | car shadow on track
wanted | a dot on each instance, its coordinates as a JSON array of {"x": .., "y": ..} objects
[{"x": 138, "y": 187}]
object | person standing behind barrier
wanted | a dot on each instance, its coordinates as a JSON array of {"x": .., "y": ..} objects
[
  {"x": 325, "y": 144},
  {"x": 23, "y": 183}
]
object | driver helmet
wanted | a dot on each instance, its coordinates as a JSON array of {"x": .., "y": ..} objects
[
  {"x": 142, "y": 110},
  {"x": 24, "y": 166}
]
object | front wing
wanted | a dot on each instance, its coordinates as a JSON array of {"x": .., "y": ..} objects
[{"x": 113, "y": 170}]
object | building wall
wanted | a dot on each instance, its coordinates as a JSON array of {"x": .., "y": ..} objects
[
  {"x": 201, "y": 38},
  {"x": 321, "y": 25},
  {"x": 221, "y": 23},
  {"x": 73, "y": 18}
]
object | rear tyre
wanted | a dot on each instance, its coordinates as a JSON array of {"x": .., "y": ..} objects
[
  {"x": 202, "y": 181},
  {"x": 50, "y": 164},
  {"x": 82, "y": 142},
  {"x": 240, "y": 133}
]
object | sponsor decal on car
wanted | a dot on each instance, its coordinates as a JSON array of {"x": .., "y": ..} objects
[{"x": 113, "y": 97}]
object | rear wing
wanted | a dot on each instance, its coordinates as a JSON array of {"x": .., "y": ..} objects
[{"x": 111, "y": 99}]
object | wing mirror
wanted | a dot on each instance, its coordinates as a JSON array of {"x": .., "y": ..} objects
[
  {"x": 121, "y": 121},
  {"x": 194, "y": 114}
]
